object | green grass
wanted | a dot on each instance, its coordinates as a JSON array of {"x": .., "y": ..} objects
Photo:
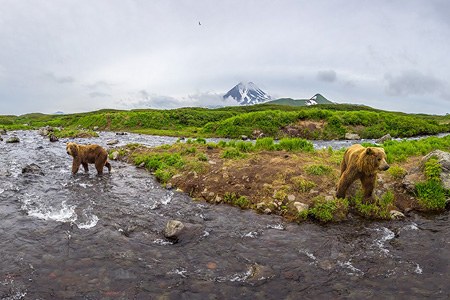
[
  {"x": 380, "y": 209},
  {"x": 302, "y": 185},
  {"x": 399, "y": 151},
  {"x": 295, "y": 144},
  {"x": 431, "y": 194},
  {"x": 236, "y": 200},
  {"x": 397, "y": 171},
  {"x": 233, "y": 153},
  {"x": 318, "y": 170},
  {"x": 265, "y": 144},
  {"x": 232, "y": 122},
  {"x": 326, "y": 211},
  {"x": 164, "y": 165}
]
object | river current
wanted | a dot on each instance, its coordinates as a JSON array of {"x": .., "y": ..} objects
[{"x": 100, "y": 237}]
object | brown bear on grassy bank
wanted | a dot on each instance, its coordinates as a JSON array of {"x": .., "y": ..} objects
[
  {"x": 363, "y": 164},
  {"x": 88, "y": 154}
]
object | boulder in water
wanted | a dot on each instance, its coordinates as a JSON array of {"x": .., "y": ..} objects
[
  {"x": 32, "y": 169},
  {"x": 53, "y": 138},
  {"x": 112, "y": 142},
  {"x": 3, "y": 131},
  {"x": 173, "y": 229},
  {"x": 13, "y": 139}
]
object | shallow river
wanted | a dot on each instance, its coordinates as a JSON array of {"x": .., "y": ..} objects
[{"x": 90, "y": 237}]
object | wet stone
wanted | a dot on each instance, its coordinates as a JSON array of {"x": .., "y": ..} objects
[
  {"x": 32, "y": 169},
  {"x": 13, "y": 139},
  {"x": 112, "y": 142},
  {"x": 115, "y": 155},
  {"x": 173, "y": 229},
  {"x": 53, "y": 138},
  {"x": 352, "y": 136}
]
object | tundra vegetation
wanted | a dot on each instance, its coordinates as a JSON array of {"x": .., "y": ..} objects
[{"x": 278, "y": 121}]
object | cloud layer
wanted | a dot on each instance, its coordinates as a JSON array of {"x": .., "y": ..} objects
[{"x": 83, "y": 55}]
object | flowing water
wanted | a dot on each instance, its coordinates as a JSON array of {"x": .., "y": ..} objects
[{"x": 91, "y": 237}]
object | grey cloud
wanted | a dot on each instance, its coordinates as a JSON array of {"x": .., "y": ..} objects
[
  {"x": 98, "y": 95},
  {"x": 412, "y": 83},
  {"x": 100, "y": 85},
  {"x": 59, "y": 79},
  {"x": 148, "y": 100},
  {"x": 327, "y": 76}
]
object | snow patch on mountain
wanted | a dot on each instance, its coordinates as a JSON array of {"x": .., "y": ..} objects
[{"x": 247, "y": 94}]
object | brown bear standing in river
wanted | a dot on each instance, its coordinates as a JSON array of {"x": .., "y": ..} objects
[
  {"x": 363, "y": 164},
  {"x": 88, "y": 154}
]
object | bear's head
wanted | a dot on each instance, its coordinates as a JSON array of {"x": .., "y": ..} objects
[
  {"x": 377, "y": 158},
  {"x": 72, "y": 149}
]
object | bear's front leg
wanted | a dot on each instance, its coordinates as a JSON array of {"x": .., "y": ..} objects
[
  {"x": 344, "y": 183},
  {"x": 368, "y": 184},
  {"x": 85, "y": 166},
  {"x": 75, "y": 166}
]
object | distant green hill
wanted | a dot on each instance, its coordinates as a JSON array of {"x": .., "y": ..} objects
[{"x": 316, "y": 99}]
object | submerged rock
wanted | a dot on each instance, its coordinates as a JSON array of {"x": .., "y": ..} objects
[
  {"x": 13, "y": 139},
  {"x": 32, "y": 169},
  {"x": 121, "y": 133}
]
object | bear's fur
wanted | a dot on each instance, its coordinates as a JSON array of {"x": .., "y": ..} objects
[
  {"x": 363, "y": 164},
  {"x": 88, "y": 154}
]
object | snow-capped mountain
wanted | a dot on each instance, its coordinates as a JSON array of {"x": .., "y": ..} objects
[{"x": 247, "y": 94}]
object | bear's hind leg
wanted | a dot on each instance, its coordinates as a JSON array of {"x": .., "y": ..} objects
[{"x": 86, "y": 168}]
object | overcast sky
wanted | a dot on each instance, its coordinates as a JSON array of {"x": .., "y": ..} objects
[{"x": 83, "y": 55}]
